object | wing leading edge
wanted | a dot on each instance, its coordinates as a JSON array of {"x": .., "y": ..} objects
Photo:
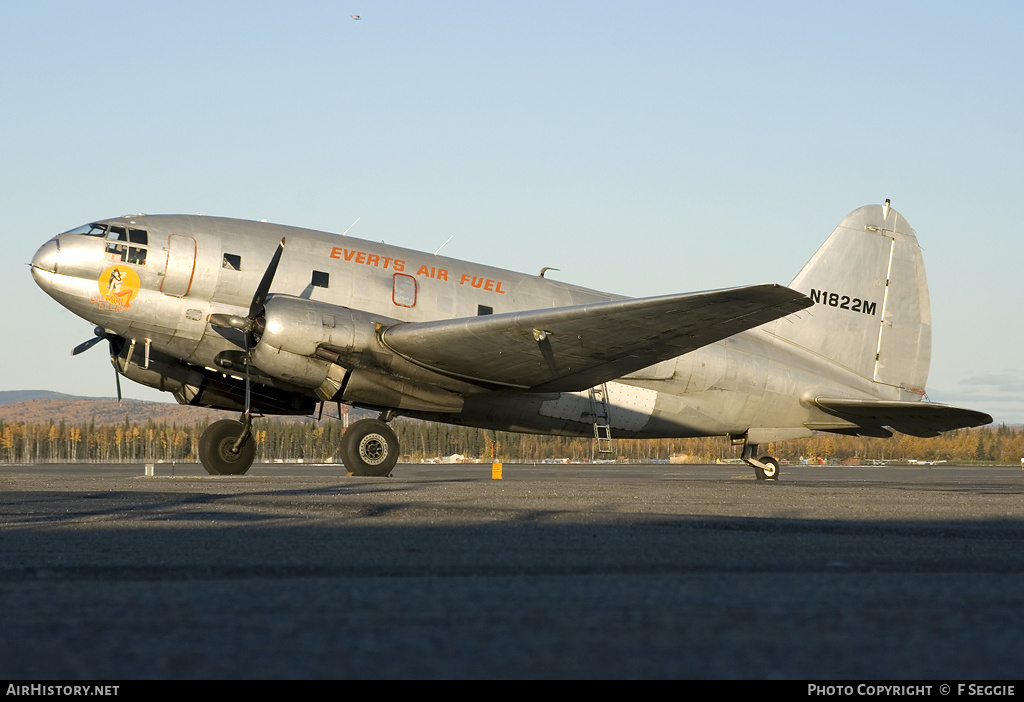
[
  {"x": 923, "y": 419},
  {"x": 566, "y": 349}
]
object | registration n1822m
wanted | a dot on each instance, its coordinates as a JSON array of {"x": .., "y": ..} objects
[{"x": 843, "y": 302}]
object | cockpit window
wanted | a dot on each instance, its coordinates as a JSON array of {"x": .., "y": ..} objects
[
  {"x": 89, "y": 230},
  {"x": 117, "y": 234},
  {"x": 118, "y": 251},
  {"x": 118, "y": 240}
]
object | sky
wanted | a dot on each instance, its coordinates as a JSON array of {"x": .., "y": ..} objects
[{"x": 642, "y": 148}]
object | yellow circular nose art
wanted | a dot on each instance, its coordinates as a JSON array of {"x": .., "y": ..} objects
[{"x": 118, "y": 286}]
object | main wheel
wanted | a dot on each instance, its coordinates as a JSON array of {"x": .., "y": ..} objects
[
  {"x": 216, "y": 444},
  {"x": 770, "y": 470},
  {"x": 369, "y": 447}
]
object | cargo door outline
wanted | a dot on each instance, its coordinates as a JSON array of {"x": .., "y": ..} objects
[{"x": 181, "y": 265}]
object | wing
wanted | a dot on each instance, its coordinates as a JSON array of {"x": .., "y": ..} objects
[
  {"x": 565, "y": 349},
  {"x": 924, "y": 419}
]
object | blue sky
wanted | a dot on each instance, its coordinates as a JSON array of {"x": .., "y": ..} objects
[{"x": 642, "y": 148}]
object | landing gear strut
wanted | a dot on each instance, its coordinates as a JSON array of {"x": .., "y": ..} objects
[
  {"x": 369, "y": 447},
  {"x": 765, "y": 468}
]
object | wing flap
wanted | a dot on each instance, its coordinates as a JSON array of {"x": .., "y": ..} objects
[
  {"x": 565, "y": 349},
  {"x": 923, "y": 419}
]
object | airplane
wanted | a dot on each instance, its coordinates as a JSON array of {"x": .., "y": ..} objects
[{"x": 269, "y": 319}]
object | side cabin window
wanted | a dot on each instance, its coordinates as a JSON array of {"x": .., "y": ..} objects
[
  {"x": 484, "y": 309},
  {"x": 403, "y": 292},
  {"x": 233, "y": 262},
  {"x": 320, "y": 279}
]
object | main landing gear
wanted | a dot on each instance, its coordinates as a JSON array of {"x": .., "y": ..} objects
[
  {"x": 227, "y": 448},
  {"x": 369, "y": 447},
  {"x": 765, "y": 468}
]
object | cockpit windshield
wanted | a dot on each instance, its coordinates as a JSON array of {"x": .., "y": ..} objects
[{"x": 89, "y": 230}]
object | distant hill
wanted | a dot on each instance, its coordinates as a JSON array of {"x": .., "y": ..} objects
[
  {"x": 43, "y": 406},
  {"x": 9, "y": 396}
]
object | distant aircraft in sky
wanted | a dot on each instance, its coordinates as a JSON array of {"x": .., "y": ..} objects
[{"x": 264, "y": 318}]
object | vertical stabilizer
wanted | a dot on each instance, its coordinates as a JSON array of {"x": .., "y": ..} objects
[{"x": 871, "y": 311}]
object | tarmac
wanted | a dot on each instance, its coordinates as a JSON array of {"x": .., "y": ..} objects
[{"x": 551, "y": 572}]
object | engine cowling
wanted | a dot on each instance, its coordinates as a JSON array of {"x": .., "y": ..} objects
[{"x": 336, "y": 351}]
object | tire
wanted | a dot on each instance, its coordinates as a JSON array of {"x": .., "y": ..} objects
[
  {"x": 215, "y": 446},
  {"x": 770, "y": 471},
  {"x": 369, "y": 447}
]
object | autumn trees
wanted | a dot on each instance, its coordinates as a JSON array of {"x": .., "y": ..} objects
[{"x": 316, "y": 441}]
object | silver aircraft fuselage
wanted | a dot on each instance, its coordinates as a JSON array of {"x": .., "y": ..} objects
[
  {"x": 222, "y": 313},
  {"x": 157, "y": 284}
]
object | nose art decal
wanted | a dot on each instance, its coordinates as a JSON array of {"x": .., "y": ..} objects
[{"x": 118, "y": 286}]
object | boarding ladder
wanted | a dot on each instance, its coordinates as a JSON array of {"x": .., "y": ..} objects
[{"x": 599, "y": 410}]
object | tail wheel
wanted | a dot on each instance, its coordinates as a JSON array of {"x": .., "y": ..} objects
[
  {"x": 770, "y": 470},
  {"x": 216, "y": 448},
  {"x": 369, "y": 447}
]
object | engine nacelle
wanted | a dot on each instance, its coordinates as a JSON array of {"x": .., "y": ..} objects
[
  {"x": 155, "y": 369},
  {"x": 204, "y": 388},
  {"x": 293, "y": 331},
  {"x": 327, "y": 348}
]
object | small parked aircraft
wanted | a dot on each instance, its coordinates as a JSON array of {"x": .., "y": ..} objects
[{"x": 269, "y": 319}]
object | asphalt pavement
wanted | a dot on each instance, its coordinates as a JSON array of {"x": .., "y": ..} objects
[{"x": 441, "y": 571}]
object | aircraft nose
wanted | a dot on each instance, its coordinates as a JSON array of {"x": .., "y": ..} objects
[{"x": 46, "y": 257}]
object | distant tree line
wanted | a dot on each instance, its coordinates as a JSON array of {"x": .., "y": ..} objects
[{"x": 317, "y": 441}]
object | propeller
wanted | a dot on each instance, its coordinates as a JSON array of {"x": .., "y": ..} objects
[
  {"x": 249, "y": 325},
  {"x": 116, "y": 344}
]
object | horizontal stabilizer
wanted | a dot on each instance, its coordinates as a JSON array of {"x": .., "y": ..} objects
[
  {"x": 924, "y": 419},
  {"x": 566, "y": 349}
]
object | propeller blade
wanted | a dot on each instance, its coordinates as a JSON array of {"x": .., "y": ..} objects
[
  {"x": 117, "y": 381},
  {"x": 115, "y": 349},
  {"x": 264, "y": 287},
  {"x": 116, "y": 344},
  {"x": 86, "y": 345}
]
